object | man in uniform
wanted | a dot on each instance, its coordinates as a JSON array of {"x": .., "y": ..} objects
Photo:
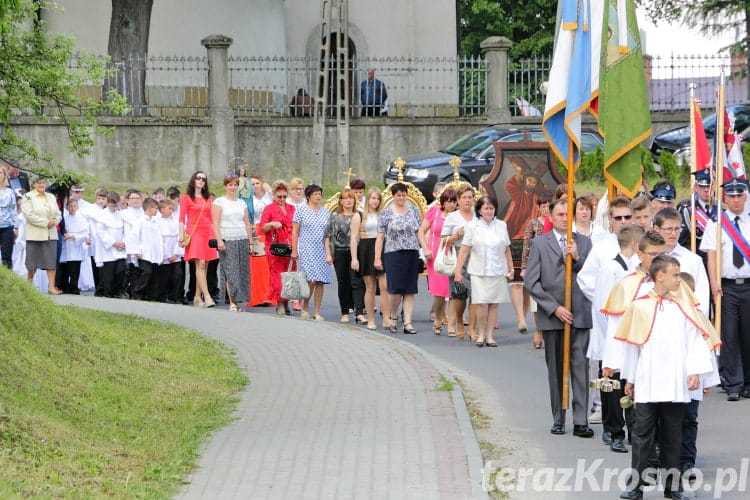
[
  {"x": 705, "y": 211},
  {"x": 734, "y": 287},
  {"x": 662, "y": 196}
]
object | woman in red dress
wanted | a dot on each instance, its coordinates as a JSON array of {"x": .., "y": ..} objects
[
  {"x": 197, "y": 222},
  {"x": 276, "y": 224}
]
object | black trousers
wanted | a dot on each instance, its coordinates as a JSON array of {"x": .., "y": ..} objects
[
  {"x": 6, "y": 246},
  {"x": 613, "y": 418},
  {"x": 669, "y": 417},
  {"x": 342, "y": 264},
  {"x": 113, "y": 278},
  {"x": 734, "y": 362},
  {"x": 170, "y": 281},
  {"x": 689, "y": 435},
  {"x": 145, "y": 286},
  {"x": 69, "y": 274}
]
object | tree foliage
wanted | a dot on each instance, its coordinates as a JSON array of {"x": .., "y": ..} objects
[
  {"x": 38, "y": 79},
  {"x": 530, "y": 25},
  {"x": 712, "y": 17}
]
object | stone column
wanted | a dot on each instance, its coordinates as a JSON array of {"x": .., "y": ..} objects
[
  {"x": 219, "y": 111},
  {"x": 496, "y": 49}
]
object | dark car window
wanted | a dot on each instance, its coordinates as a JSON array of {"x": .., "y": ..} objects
[
  {"x": 472, "y": 144},
  {"x": 589, "y": 141},
  {"x": 741, "y": 120}
]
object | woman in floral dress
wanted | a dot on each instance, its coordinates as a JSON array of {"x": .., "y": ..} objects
[{"x": 308, "y": 227}]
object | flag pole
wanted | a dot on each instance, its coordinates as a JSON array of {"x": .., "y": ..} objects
[
  {"x": 693, "y": 168},
  {"x": 719, "y": 162},
  {"x": 568, "y": 278}
]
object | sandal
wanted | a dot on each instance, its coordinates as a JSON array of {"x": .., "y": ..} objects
[
  {"x": 437, "y": 330},
  {"x": 409, "y": 329},
  {"x": 451, "y": 334},
  {"x": 393, "y": 327},
  {"x": 233, "y": 307}
]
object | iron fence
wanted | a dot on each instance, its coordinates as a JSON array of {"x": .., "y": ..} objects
[
  {"x": 267, "y": 86},
  {"x": 669, "y": 80},
  {"x": 417, "y": 86}
]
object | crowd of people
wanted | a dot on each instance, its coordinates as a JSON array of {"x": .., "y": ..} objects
[{"x": 641, "y": 301}]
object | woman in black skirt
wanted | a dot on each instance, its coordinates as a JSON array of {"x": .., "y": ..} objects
[
  {"x": 398, "y": 226},
  {"x": 364, "y": 231}
]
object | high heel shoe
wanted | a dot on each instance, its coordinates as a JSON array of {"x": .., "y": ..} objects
[
  {"x": 479, "y": 343},
  {"x": 409, "y": 329},
  {"x": 197, "y": 302},
  {"x": 360, "y": 319},
  {"x": 209, "y": 303},
  {"x": 437, "y": 329}
]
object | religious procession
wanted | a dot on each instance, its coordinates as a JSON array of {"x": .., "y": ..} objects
[{"x": 471, "y": 333}]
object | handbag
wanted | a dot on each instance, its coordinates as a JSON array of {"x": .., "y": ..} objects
[
  {"x": 459, "y": 291},
  {"x": 294, "y": 284},
  {"x": 445, "y": 259},
  {"x": 280, "y": 249}
]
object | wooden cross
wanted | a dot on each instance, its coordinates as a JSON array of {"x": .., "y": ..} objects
[
  {"x": 349, "y": 174},
  {"x": 399, "y": 163},
  {"x": 455, "y": 163}
]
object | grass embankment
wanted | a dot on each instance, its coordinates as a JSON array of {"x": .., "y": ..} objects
[{"x": 96, "y": 404}]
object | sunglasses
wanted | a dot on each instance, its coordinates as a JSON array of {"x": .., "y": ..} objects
[
  {"x": 200, "y": 177},
  {"x": 622, "y": 217},
  {"x": 280, "y": 196}
]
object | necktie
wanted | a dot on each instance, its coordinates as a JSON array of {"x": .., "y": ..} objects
[{"x": 737, "y": 258}]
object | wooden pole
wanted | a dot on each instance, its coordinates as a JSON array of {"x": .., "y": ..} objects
[
  {"x": 693, "y": 168},
  {"x": 720, "y": 151},
  {"x": 568, "y": 282}
]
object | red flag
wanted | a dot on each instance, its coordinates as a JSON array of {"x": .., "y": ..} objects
[{"x": 700, "y": 153}]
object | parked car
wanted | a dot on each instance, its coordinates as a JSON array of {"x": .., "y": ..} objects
[
  {"x": 677, "y": 140},
  {"x": 477, "y": 157}
]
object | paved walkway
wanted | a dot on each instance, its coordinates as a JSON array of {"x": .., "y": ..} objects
[{"x": 331, "y": 412}]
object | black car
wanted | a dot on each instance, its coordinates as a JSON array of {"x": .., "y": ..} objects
[
  {"x": 677, "y": 140},
  {"x": 477, "y": 157}
]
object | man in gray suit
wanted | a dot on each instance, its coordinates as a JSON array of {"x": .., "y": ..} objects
[{"x": 545, "y": 281}]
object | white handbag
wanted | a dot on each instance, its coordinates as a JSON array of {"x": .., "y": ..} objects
[
  {"x": 294, "y": 284},
  {"x": 445, "y": 259}
]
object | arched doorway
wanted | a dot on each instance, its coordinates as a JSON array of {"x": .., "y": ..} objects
[{"x": 332, "y": 66}]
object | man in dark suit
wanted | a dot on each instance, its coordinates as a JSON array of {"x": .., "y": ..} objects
[
  {"x": 545, "y": 281},
  {"x": 18, "y": 180}
]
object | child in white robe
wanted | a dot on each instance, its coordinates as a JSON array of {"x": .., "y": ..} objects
[{"x": 74, "y": 248}]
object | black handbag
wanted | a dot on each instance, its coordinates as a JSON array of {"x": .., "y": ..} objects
[
  {"x": 459, "y": 291},
  {"x": 281, "y": 249}
]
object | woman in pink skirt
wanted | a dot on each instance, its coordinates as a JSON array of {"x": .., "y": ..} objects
[{"x": 429, "y": 240}]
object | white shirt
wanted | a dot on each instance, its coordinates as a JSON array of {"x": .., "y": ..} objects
[
  {"x": 709, "y": 243},
  {"x": 151, "y": 241},
  {"x": 168, "y": 227},
  {"x": 132, "y": 219},
  {"x": 110, "y": 231},
  {"x": 611, "y": 273},
  {"x": 674, "y": 350},
  {"x": 488, "y": 243},
  {"x": 75, "y": 249},
  {"x": 232, "y": 221},
  {"x": 693, "y": 264}
]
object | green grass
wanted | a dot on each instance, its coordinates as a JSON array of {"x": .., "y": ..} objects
[
  {"x": 97, "y": 405},
  {"x": 445, "y": 385}
]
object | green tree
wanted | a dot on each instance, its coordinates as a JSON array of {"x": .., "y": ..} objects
[
  {"x": 711, "y": 17},
  {"x": 529, "y": 25},
  {"x": 41, "y": 75}
]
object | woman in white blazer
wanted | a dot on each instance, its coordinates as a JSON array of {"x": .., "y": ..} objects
[
  {"x": 42, "y": 217},
  {"x": 487, "y": 242}
]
